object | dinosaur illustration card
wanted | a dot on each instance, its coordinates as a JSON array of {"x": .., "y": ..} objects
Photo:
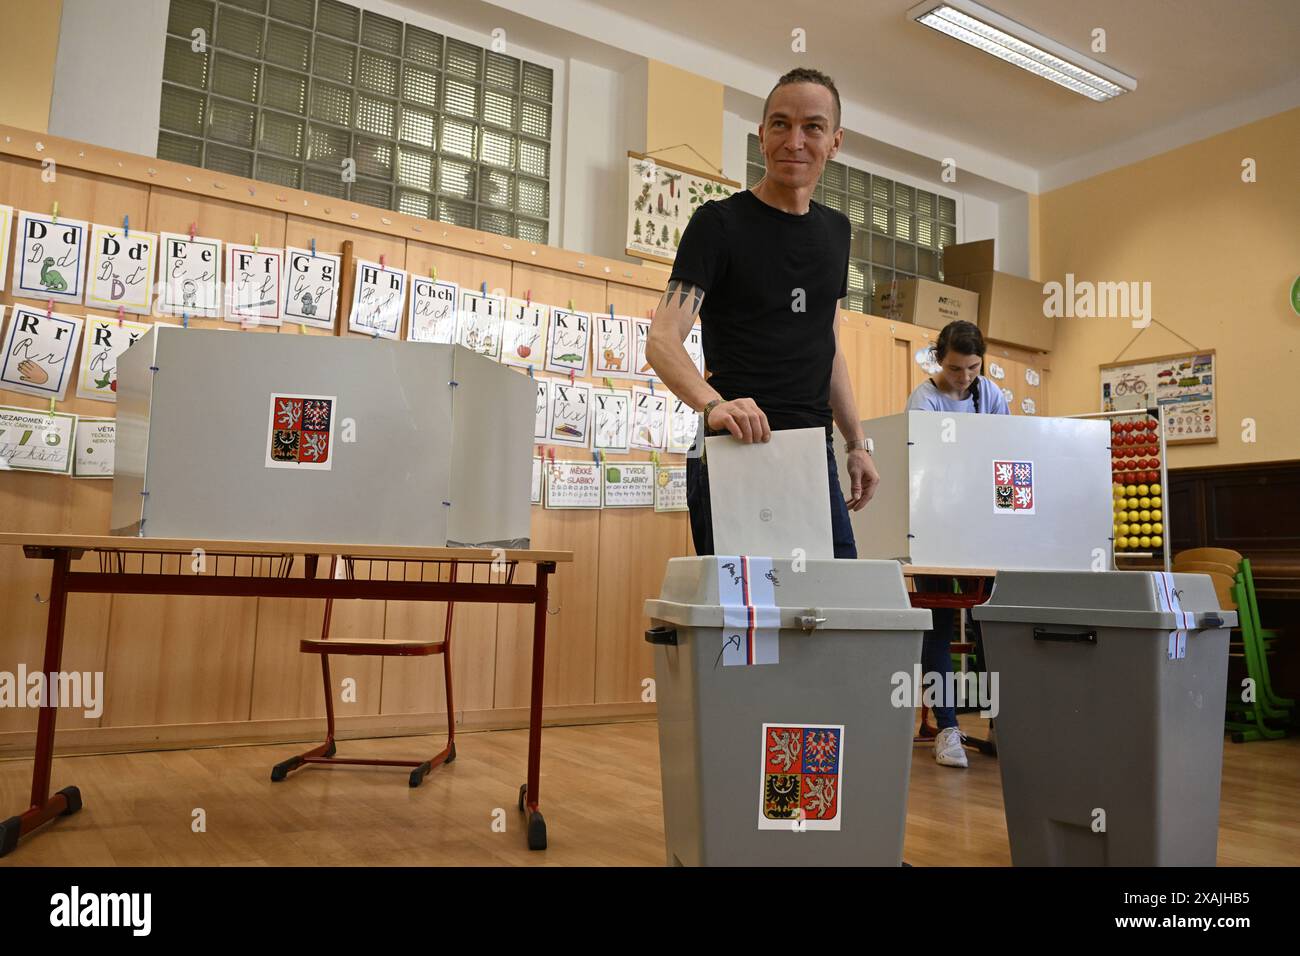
[
  {"x": 310, "y": 288},
  {"x": 50, "y": 257},
  {"x": 478, "y": 327},
  {"x": 253, "y": 277},
  {"x": 569, "y": 343},
  {"x": 649, "y": 419},
  {"x": 612, "y": 408},
  {"x": 38, "y": 352},
  {"x": 6, "y": 228},
  {"x": 802, "y": 777},
  {"x": 613, "y": 352},
  {"x": 301, "y": 432},
  {"x": 568, "y": 421},
  {"x": 106, "y": 339},
  {"x": 378, "y": 298},
  {"x": 433, "y": 310},
  {"x": 523, "y": 333},
  {"x": 121, "y": 274},
  {"x": 189, "y": 276}
]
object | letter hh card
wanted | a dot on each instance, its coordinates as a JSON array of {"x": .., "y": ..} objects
[{"x": 378, "y": 298}]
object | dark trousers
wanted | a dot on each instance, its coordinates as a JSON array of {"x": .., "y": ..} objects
[{"x": 697, "y": 499}]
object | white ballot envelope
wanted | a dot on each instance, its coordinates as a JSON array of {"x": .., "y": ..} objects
[{"x": 770, "y": 498}]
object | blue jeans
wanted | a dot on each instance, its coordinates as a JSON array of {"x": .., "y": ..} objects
[
  {"x": 697, "y": 499},
  {"x": 936, "y": 650}
]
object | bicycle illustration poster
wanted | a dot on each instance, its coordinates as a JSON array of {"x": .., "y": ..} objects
[{"x": 1182, "y": 384}]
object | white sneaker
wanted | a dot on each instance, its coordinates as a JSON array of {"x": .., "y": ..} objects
[{"x": 948, "y": 750}]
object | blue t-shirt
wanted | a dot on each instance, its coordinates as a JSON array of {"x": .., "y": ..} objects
[{"x": 927, "y": 398}]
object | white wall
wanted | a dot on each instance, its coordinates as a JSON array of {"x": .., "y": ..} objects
[
  {"x": 1011, "y": 253},
  {"x": 595, "y": 181},
  {"x": 108, "y": 73}
]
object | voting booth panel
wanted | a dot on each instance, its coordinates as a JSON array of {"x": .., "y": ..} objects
[
  {"x": 987, "y": 491},
  {"x": 1110, "y": 720},
  {"x": 324, "y": 439},
  {"x": 782, "y": 744}
]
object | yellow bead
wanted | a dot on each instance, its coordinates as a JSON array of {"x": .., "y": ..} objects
[
  {"x": 1144, "y": 541},
  {"x": 1157, "y": 528},
  {"x": 1156, "y": 501},
  {"x": 1122, "y": 531},
  {"x": 1131, "y": 490},
  {"x": 1157, "y": 515},
  {"x": 1155, "y": 489},
  {"x": 1143, "y": 490},
  {"x": 1144, "y": 502},
  {"x": 1121, "y": 543},
  {"x": 1144, "y": 515},
  {"x": 1157, "y": 541}
]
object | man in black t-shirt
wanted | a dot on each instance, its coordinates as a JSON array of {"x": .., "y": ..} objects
[{"x": 764, "y": 270}]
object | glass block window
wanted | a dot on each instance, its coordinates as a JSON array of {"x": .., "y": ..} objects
[
  {"x": 301, "y": 92},
  {"x": 899, "y": 231}
]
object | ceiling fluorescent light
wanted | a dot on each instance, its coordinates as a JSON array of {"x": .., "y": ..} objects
[{"x": 1007, "y": 40}]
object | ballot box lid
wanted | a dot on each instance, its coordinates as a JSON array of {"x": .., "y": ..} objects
[
  {"x": 821, "y": 593},
  {"x": 1131, "y": 599}
]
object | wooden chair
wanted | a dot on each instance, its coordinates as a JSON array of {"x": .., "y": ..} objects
[
  {"x": 1203, "y": 567},
  {"x": 1221, "y": 555},
  {"x": 376, "y": 647}
]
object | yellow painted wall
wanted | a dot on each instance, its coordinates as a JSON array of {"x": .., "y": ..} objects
[
  {"x": 1220, "y": 255},
  {"x": 29, "y": 41},
  {"x": 683, "y": 108}
]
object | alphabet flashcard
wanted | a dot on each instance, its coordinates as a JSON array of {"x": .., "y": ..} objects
[
  {"x": 612, "y": 408},
  {"x": 190, "y": 276},
  {"x": 543, "y": 408},
  {"x": 523, "y": 333},
  {"x": 51, "y": 258},
  {"x": 121, "y": 274},
  {"x": 640, "y": 365},
  {"x": 106, "y": 339},
  {"x": 253, "y": 277},
  {"x": 38, "y": 351},
  {"x": 684, "y": 422},
  {"x": 649, "y": 418},
  {"x": 378, "y": 298},
  {"x": 433, "y": 310},
  {"x": 6, "y": 226},
  {"x": 479, "y": 325},
  {"x": 569, "y": 419},
  {"x": 694, "y": 344},
  {"x": 612, "y": 346},
  {"x": 570, "y": 342},
  {"x": 310, "y": 288}
]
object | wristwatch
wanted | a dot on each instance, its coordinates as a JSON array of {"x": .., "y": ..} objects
[
  {"x": 708, "y": 408},
  {"x": 858, "y": 443}
]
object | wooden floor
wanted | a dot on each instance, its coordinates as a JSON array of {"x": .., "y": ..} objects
[{"x": 600, "y": 796}]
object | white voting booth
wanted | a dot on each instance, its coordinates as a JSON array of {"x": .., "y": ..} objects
[
  {"x": 318, "y": 438},
  {"x": 987, "y": 491}
]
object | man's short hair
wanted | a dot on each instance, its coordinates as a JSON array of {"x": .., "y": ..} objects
[{"x": 805, "y": 75}]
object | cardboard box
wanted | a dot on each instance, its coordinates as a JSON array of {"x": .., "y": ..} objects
[
  {"x": 925, "y": 302},
  {"x": 1010, "y": 307}
]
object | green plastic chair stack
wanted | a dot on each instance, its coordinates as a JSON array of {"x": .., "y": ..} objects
[{"x": 1258, "y": 719}]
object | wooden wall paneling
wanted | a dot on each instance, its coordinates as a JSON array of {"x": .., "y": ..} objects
[
  {"x": 415, "y": 686},
  {"x": 54, "y": 503},
  {"x": 571, "y": 630},
  {"x": 635, "y": 546}
]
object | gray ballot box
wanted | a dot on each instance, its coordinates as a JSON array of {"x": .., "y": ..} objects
[
  {"x": 800, "y": 761},
  {"x": 1110, "y": 715},
  {"x": 987, "y": 491},
  {"x": 237, "y": 436}
]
